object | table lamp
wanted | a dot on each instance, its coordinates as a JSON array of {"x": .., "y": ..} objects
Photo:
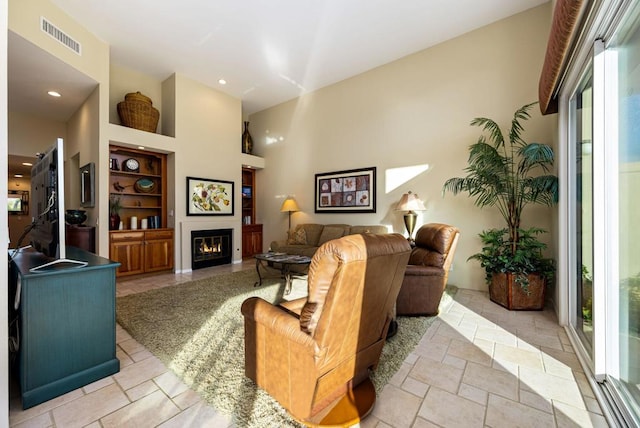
[
  {"x": 289, "y": 205},
  {"x": 410, "y": 202}
]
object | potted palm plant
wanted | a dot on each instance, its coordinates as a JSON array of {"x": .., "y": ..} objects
[{"x": 509, "y": 174}]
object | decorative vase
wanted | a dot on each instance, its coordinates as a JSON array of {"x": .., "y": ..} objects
[
  {"x": 247, "y": 141},
  {"x": 114, "y": 221}
]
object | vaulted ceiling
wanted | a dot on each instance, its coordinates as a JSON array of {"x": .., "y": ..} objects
[{"x": 268, "y": 52}]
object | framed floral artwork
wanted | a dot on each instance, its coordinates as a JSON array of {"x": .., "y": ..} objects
[
  {"x": 209, "y": 197},
  {"x": 351, "y": 191}
]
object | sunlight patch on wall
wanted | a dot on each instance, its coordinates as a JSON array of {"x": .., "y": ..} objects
[
  {"x": 395, "y": 177},
  {"x": 269, "y": 139}
]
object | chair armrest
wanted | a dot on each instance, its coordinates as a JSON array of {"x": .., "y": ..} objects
[
  {"x": 418, "y": 270},
  {"x": 294, "y": 306},
  {"x": 277, "y": 320},
  {"x": 275, "y": 245}
]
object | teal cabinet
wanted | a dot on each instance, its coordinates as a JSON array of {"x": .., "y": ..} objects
[{"x": 67, "y": 324}]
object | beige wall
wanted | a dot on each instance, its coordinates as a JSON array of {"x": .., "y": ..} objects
[
  {"x": 208, "y": 129},
  {"x": 405, "y": 114},
  {"x": 82, "y": 127},
  {"x": 124, "y": 81},
  {"x": 24, "y": 19},
  {"x": 29, "y": 134}
]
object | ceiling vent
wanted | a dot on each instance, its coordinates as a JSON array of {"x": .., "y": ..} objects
[{"x": 60, "y": 35}]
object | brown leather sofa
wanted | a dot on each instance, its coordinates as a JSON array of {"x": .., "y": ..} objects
[
  {"x": 306, "y": 238},
  {"x": 428, "y": 270},
  {"x": 310, "y": 352}
]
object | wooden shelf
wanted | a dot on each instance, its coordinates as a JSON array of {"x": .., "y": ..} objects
[
  {"x": 133, "y": 174},
  {"x": 135, "y": 194}
]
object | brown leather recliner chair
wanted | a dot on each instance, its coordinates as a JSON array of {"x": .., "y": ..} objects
[
  {"x": 312, "y": 352},
  {"x": 428, "y": 270}
]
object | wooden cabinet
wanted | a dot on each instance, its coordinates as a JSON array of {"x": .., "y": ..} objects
[
  {"x": 142, "y": 251},
  {"x": 67, "y": 324},
  {"x": 251, "y": 232},
  {"x": 158, "y": 250},
  {"x": 83, "y": 237},
  {"x": 251, "y": 239},
  {"x": 127, "y": 248}
]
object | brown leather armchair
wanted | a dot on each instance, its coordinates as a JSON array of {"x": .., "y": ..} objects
[
  {"x": 312, "y": 352},
  {"x": 428, "y": 270}
]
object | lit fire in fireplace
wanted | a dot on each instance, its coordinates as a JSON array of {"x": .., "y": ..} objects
[{"x": 205, "y": 249}]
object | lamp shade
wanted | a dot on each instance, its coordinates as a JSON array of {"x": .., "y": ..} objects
[
  {"x": 289, "y": 205},
  {"x": 410, "y": 202}
]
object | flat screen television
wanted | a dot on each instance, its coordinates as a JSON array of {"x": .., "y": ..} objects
[{"x": 47, "y": 190}]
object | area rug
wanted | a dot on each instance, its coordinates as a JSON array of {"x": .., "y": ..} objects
[{"x": 196, "y": 329}]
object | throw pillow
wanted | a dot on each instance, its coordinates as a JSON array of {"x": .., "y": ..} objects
[
  {"x": 297, "y": 237},
  {"x": 329, "y": 233}
]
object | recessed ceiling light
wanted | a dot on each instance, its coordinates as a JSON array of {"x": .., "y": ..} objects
[
  {"x": 140, "y": 147},
  {"x": 18, "y": 175},
  {"x": 27, "y": 164},
  {"x": 222, "y": 81},
  {"x": 54, "y": 93}
]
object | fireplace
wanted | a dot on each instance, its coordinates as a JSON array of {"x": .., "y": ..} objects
[{"x": 211, "y": 247}]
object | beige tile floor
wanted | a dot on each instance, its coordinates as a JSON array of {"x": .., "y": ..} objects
[{"x": 478, "y": 365}]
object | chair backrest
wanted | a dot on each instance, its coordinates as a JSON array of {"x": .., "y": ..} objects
[
  {"x": 353, "y": 285},
  {"x": 434, "y": 242}
]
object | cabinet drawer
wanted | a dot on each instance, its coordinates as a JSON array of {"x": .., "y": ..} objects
[
  {"x": 127, "y": 236},
  {"x": 159, "y": 234}
]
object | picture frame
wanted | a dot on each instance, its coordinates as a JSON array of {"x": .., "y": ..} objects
[
  {"x": 349, "y": 191},
  {"x": 209, "y": 197},
  {"x": 87, "y": 185},
  {"x": 18, "y": 202}
]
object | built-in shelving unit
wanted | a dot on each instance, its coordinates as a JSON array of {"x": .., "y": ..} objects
[
  {"x": 138, "y": 179},
  {"x": 251, "y": 232},
  {"x": 142, "y": 193}
]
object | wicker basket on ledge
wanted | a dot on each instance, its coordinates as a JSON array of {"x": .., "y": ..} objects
[{"x": 137, "y": 111}]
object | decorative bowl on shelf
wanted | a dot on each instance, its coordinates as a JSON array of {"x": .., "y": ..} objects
[
  {"x": 75, "y": 217},
  {"x": 144, "y": 185}
]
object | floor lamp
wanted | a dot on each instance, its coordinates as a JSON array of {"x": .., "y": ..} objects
[
  {"x": 289, "y": 205},
  {"x": 410, "y": 202}
]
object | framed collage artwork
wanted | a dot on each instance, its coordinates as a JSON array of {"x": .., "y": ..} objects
[{"x": 351, "y": 191}]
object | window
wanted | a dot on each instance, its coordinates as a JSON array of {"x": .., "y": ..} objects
[
  {"x": 581, "y": 106},
  {"x": 603, "y": 233}
]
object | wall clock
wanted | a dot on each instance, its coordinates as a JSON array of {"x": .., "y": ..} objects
[{"x": 131, "y": 165}]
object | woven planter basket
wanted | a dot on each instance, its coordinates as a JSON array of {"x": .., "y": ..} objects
[{"x": 137, "y": 111}]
